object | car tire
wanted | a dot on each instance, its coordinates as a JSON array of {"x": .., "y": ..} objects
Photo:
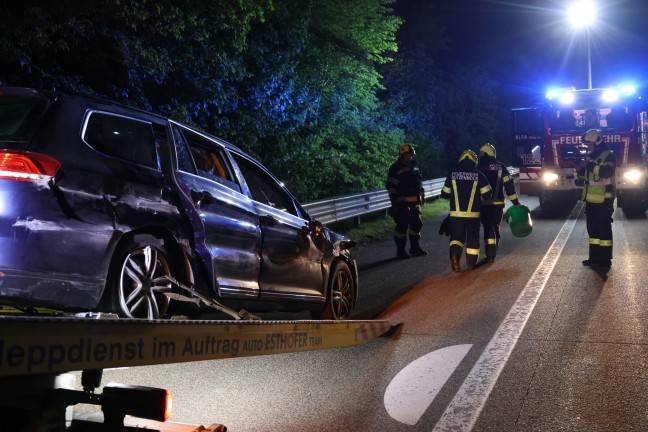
[
  {"x": 341, "y": 294},
  {"x": 136, "y": 280}
]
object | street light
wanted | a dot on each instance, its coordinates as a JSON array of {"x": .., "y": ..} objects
[{"x": 582, "y": 14}]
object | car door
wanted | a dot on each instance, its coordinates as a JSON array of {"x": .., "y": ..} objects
[
  {"x": 226, "y": 227},
  {"x": 291, "y": 263}
]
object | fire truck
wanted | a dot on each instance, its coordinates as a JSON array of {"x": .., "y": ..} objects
[{"x": 546, "y": 143}]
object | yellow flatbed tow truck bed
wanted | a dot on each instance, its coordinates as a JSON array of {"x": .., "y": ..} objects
[{"x": 34, "y": 350}]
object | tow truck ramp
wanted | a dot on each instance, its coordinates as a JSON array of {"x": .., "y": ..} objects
[{"x": 34, "y": 351}]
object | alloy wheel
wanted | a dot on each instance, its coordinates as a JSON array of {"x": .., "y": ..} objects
[{"x": 143, "y": 282}]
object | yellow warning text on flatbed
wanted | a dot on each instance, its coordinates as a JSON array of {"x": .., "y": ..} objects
[{"x": 55, "y": 345}]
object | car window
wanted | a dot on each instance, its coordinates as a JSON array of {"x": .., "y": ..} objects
[
  {"x": 18, "y": 116},
  {"x": 185, "y": 162},
  {"x": 121, "y": 137},
  {"x": 201, "y": 156},
  {"x": 263, "y": 187},
  {"x": 13, "y": 118}
]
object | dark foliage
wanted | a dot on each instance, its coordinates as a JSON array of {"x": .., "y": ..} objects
[{"x": 306, "y": 86}]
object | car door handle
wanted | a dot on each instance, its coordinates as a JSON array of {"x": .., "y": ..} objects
[
  {"x": 198, "y": 197},
  {"x": 268, "y": 220}
]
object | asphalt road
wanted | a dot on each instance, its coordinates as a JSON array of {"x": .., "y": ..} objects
[{"x": 533, "y": 342}]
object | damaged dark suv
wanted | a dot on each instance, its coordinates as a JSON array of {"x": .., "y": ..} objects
[{"x": 108, "y": 208}]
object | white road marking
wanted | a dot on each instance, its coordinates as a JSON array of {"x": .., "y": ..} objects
[
  {"x": 464, "y": 409},
  {"x": 413, "y": 389}
]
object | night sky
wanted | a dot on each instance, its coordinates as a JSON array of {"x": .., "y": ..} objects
[{"x": 497, "y": 34}]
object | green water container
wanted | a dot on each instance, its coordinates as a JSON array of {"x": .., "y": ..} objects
[{"x": 519, "y": 219}]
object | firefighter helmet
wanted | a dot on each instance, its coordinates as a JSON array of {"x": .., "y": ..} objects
[
  {"x": 470, "y": 155},
  {"x": 487, "y": 149},
  {"x": 407, "y": 148},
  {"x": 592, "y": 136}
]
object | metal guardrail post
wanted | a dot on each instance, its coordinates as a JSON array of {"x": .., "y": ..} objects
[{"x": 356, "y": 205}]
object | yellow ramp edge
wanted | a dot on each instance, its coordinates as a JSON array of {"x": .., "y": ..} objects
[{"x": 55, "y": 345}]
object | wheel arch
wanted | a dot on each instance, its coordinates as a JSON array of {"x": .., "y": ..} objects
[
  {"x": 177, "y": 258},
  {"x": 351, "y": 263}
]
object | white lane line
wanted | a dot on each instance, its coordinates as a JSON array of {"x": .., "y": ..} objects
[
  {"x": 413, "y": 389},
  {"x": 464, "y": 409}
]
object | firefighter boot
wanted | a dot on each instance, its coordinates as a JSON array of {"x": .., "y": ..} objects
[
  {"x": 454, "y": 263},
  {"x": 415, "y": 248},
  {"x": 401, "y": 253}
]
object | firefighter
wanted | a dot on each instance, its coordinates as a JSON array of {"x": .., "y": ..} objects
[
  {"x": 405, "y": 187},
  {"x": 465, "y": 187},
  {"x": 598, "y": 172},
  {"x": 492, "y": 210}
]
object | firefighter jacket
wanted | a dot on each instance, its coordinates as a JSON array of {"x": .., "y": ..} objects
[
  {"x": 599, "y": 175},
  {"x": 466, "y": 187},
  {"x": 500, "y": 180},
  {"x": 404, "y": 183}
]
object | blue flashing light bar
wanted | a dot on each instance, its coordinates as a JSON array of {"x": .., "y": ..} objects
[
  {"x": 567, "y": 96},
  {"x": 552, "y": 93},
  {"x": 628, "y": 89},
  {"x": 610, "y": 95}
]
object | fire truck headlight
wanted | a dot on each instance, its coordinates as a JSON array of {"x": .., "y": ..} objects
[
  {"x": 549, "y": 177},
  {"x": 632, "y": 175}
]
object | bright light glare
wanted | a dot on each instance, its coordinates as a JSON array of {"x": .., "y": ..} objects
[
  {"x": 632, "y": 175},
  {"x": 610, "y": 95},
  {"x": 552, "y": 93},
  {"x": 549, "y": 177},
  {"x": 567, "y": 98},
  {"x": 582, "y": 13},
  {"x": 628, "y": 89}
]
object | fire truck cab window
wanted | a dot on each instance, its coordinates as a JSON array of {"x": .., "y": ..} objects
[
  {"x": 562, "y": 120},
  {"x": 528, "y": 121},
  {"x": 618, "y": 119},
  {"x": 588, "y": 119}
]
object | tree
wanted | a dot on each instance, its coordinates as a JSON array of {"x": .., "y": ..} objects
[
  {"x": 312, "y": 87},
  {"x": 442, "y": 108},
  {"x": 166, "y": 56},
  {"x": 292, "y": 82}
]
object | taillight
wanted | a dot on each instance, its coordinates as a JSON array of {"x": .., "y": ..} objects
[
  {"x": 119, "y": 400},
  {"x": 168, "y": 406},
  {"x": 27, "y": 166}
]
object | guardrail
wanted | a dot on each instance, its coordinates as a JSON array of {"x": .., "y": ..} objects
[{"x": 355, "y": 205}]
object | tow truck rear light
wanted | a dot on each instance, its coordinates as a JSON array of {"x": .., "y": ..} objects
[
  {"x": 27, "y": 166},
  {"x": 119, "y": 400}
]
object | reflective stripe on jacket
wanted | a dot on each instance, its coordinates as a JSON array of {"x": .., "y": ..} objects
[
  {"x": 599, "y": 176},
  {"x": 466, "y": 188},
  {"x": 404, "y": 183},
  {"x": 500, "y": 180}
]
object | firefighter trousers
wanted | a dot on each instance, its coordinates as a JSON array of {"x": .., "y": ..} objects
[
  {"x": 464, "y": 234},
  {"x": 599, "y": 230},
  {"x": 408, "y": 224},
  {"x": 491, "y": 218}
]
